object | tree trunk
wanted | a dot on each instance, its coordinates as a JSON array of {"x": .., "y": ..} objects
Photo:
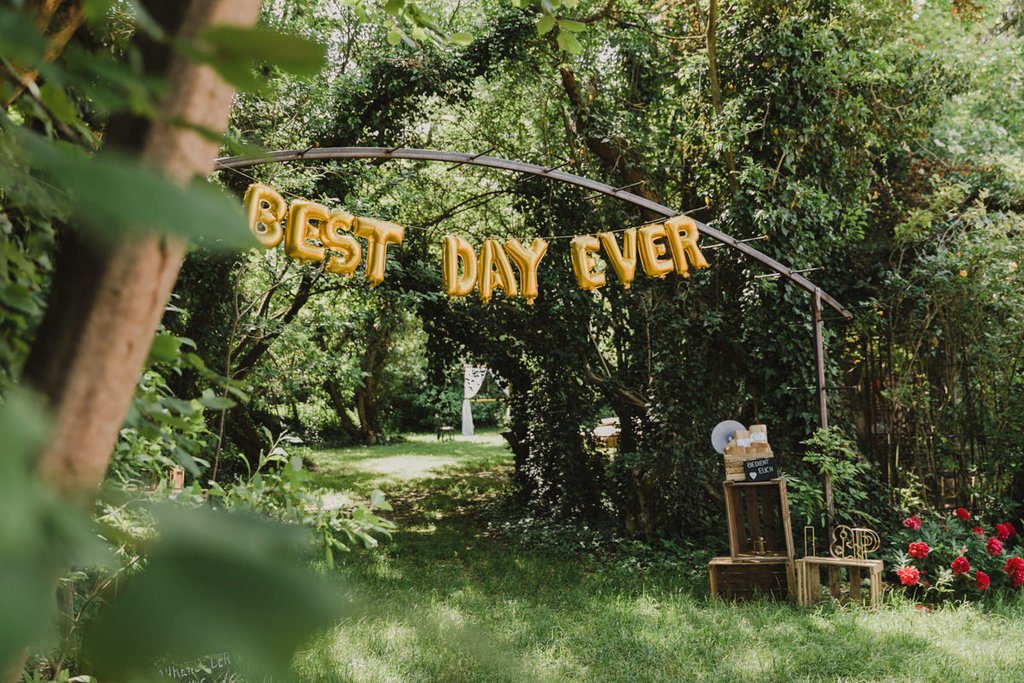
[{"x": 106, "y": 301}]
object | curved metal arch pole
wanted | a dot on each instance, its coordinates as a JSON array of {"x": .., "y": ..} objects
[{"x": 326, "y": 153}]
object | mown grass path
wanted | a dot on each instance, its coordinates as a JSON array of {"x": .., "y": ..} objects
[{"x": 450, "y": 600}]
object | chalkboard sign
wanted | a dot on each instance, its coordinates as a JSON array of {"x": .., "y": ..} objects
[{"x": 761, "y": 469}]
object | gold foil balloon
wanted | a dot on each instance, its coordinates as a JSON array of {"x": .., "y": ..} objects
[
  {"x": 267, "y": 208},
  {"x": 300, "y": 230},
  {"x": 455, "y": 248},
  {"x": 652, "y": 251},
  {"x": 527, "y": 260},
  {"x": 495, "y": 271},
  {"x": 378, "y": 234},
  {"x": 336, "y": 238},
  {"x": 624, "y": 260},
  {"x": 581, "y": 248},
  {"x": 682, "y": 236}
]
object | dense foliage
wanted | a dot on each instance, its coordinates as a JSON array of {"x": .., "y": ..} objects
[
  {"x": 877, "y": 144},
  {"x": 856, "y": 138}
]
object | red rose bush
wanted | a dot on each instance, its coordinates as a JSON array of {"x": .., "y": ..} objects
[{"x": 956, "y": 554}]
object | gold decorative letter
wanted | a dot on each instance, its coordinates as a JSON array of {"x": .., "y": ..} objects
[
  {"x": 267, "y": 208},
  {"x": 624, "y": 261},
  {"x": 299, "y": 231},
  {"x": 652, "y": 249},
  {"x": 335, "y": 237},
  {"x": 455, "y": 248},
  {"x": 682, "y": 239},
  {"x": 582, "y": 246},
  {"x": 527, "y": 260},
  {"x": 379, "y": 234},
  {"x": 495, "y": 271}
]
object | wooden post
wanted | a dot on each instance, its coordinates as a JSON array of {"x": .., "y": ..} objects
[{"x": 819, "y": 357}]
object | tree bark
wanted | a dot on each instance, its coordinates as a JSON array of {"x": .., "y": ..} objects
[{"x": 107, "y": 300}]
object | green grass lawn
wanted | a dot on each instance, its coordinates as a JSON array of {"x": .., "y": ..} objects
[{"x": 450, "y": 600}]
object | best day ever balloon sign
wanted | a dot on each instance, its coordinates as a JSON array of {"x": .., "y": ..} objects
[{"x": 311, "y": 232}]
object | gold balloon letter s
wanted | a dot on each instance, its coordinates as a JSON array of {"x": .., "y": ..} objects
[{"x": 334, "y": 235}]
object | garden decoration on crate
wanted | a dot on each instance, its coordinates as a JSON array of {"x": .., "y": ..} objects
[
  {"x": 757, "y": 511},
  {"x": 848, "y": 550},
  {"x": 745, "y": 453}
]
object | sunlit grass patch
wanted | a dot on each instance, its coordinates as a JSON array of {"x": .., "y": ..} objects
[{"x": 450, "y": 599}]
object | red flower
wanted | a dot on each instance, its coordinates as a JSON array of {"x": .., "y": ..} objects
[
  {"x": 1014, "y": 567},
  {"x": 978, "y": 530},
  {"x": 908, "y": 576},
  {"x": 994, "y": 546},
  {"x": 960, "y": 565},
  {"x": 981, "y": 580},
  {"x": 918, "y": 550},
  {"x": 963, "y": 514},
  {"x": 1004, "y": 531},
  {"x": 912, "y": 523}
]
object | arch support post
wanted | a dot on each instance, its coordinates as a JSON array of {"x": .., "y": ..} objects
[{"x": 822, "y": 395}]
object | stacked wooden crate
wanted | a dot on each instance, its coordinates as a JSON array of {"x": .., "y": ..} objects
[
  {"x": 743, "y": 446},
  {"x": 760, "y": 542}
]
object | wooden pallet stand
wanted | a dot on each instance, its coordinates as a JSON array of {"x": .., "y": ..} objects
[
  {"x": 808, "y": 575},
  {"x": 760, "y": 543},
  {"x": 758, "y": 517}
]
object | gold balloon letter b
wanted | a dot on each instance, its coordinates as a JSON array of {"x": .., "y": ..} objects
[{"x": 266, "y": 208}]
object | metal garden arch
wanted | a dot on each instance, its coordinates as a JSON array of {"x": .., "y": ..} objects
[{"x": 553, "y": 173}]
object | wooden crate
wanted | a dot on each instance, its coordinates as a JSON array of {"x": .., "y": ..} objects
[
  {"x": 756, "y": 511},
  {"x": 734, "y": 579},
  {"x": 808, "y": 575}
]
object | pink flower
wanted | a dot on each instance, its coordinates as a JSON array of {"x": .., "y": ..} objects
[
  {"x": 1004, "y": 531},
  {"x": 912, "y": 523},
  {"x": 962, "y": 513},
  {"x": 960, "y": 565},
  {"x": 918, "y": 550},
  {"x": 908, "y": 576},
  {"x": 981, "y": 580},
  {"x": 994, "y": 546}
]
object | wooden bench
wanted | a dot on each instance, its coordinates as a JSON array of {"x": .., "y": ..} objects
[{"x": 445, "y": 433}]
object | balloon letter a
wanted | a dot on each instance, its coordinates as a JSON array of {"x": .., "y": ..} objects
[{"x": 495, "y": 271}]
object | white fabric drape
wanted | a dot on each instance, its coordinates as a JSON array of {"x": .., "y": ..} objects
[{"x": 472, "y": 381}]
